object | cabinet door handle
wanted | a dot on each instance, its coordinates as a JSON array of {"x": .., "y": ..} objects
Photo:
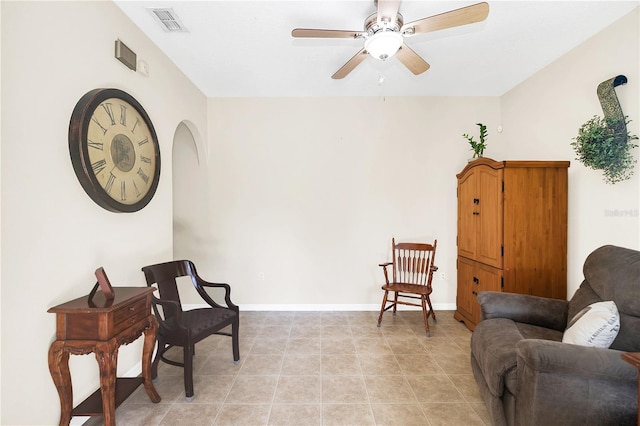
[
  {"x": 474, "y": 293},
  {"x": 476, "y": 213},
  {"x": 476, "y": 201},
  {"x": 476, "y": 280}
]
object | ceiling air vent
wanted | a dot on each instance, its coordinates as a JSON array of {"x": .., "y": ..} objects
[{"x": 168, "y": 20}]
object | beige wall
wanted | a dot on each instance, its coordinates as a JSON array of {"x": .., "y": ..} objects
[
  {"x": 543, "y": 114},
  {"x": 53, "y": 235},
  {"x": 309, "y": 193},
  {"x": 306, "y": 191}
]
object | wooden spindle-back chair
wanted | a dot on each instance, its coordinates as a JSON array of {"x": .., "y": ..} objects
[{"x": 412, "y": 273}]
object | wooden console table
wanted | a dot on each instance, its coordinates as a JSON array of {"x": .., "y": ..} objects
[{"x": 102, "y": 326}]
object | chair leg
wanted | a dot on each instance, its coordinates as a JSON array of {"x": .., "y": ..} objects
[
  {"x": 425, "y": 315},
  {"x": 431, "y": 311},
  {"x": 234, "y": 341},
  {"x": 384, "y": 302},
  {"x": 188, "y": 371},
  {"x": 395, "y": 302}
]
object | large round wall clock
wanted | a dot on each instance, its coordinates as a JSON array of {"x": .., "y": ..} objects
[{"x": 114, "y": 150}]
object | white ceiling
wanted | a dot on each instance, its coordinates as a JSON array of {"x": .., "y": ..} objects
[{"x": 244, "y": 48}]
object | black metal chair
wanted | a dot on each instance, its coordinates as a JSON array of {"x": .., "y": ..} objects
[{"x": 186, "y": 328}]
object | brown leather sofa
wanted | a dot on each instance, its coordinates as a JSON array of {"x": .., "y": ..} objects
[{"x": 527, "y": 376}]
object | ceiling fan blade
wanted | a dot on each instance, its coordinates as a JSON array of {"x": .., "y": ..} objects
[
  {"x": 454, "y": 18},
  {"x": 350, "y": 65},
  {"x": 314, "y": 33},
  {"x": 388, "y": 9},
  {"x": 412, "y": 60}
]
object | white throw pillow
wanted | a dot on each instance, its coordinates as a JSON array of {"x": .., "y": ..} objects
[{"x": 596, "y": 325}]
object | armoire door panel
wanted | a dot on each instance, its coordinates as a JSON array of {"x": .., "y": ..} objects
[
  {"x": 466, "y": 297},
  {"x": 467, "y": 215},
  {"x": 535, "y": 230},
  {"x": 489, "y": 246},
  {"x": 486, "y": 278}
]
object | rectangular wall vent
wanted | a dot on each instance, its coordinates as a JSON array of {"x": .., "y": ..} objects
[{"x": 168, "y": 20}]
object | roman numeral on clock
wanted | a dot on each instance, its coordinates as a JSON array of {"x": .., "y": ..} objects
[
  {"x": 95, "y": 120},
  {"x": 123, "y": 115},
  {"x": 95, "y": 145},
  {"x": 109, "y": 110},
  {"x": 98, "y": 166},
  {"x": 110, "y": 181},
  {"x": 143, "y": 176},
  {"x": 135, "y": 187}
]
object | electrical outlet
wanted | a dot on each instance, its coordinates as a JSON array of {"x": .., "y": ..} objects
[
  {"x": 443, "y": 277},
  {"x": 261, "y": 276}
]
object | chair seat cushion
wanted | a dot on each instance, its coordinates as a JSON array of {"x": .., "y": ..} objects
[
  {"x": 407, "y": 288},
  {"x": 204, "y": 321}
]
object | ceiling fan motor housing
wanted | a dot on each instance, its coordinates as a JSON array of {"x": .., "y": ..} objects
[{"x": 383, "y": 38}]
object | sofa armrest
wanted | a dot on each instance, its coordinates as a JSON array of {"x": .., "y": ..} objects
[
  {"x": 540, "y": 311},
  {"x": 573, "y": 360},
  {"x": 560, "y": 383}
]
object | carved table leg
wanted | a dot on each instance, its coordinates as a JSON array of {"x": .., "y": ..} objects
[
  {"x": 59, "y": 368},
  {"x": 147, "y": 351},
  {"x": 107, "y": 357}
]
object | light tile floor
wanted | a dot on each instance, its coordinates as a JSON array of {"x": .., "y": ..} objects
[{"x": 321, "y": 368}]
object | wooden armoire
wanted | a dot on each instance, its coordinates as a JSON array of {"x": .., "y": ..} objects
[{"x": 512, "y": 231}]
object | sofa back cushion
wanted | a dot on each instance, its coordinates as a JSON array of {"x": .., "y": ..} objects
[{"x": 613, "y": 273}]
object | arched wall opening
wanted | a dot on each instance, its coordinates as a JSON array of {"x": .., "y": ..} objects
[{"x": 190, "y": 195}]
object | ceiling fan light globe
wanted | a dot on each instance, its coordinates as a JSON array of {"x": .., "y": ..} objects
[{"x": 383, "y": 44}]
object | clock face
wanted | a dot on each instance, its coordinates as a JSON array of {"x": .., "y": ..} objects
[{"x": 114, "y": 150}]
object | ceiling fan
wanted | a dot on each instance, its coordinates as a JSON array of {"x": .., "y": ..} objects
[{"x": 384, "y": 33}]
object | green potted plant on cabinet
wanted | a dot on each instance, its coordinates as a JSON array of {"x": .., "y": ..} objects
[{"x": 478, "y": 147}]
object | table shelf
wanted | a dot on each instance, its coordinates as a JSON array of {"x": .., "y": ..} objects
[{"x": 92, "y": 406}]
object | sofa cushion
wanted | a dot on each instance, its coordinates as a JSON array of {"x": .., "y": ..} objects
[
  {"x": 597, "y": 325},
  {"x": 529, "y": 331},
  {"x": 582, "y": 298},
  {"x": 612, "y": 272},
  {"x": 627, "y": 339}
]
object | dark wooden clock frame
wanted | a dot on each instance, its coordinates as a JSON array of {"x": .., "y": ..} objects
[{"x": 79, "y": 150}]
